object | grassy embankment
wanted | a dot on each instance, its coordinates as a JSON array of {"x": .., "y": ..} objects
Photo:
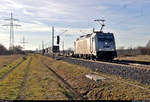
[
  {"x": 43, "y": 85},
  {"x": 113, "y": 88},
  {"x": 11, "y": 85}
]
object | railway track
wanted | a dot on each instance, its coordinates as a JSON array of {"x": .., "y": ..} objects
[
  {"x": 125, "y": 62},
  {"x": 120, "y": 62},
  {"x": 24, "y": 84},
  {"x": 138, "y": 64},
  {"x": 141, "y": 75},
  {"x": 9, "y": 71},
  {"x": 131, "y": 61},
  {"x": 74, "y": 92}
]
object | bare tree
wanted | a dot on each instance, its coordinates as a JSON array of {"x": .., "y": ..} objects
[
  {"x": 17, "y": 50},
  {"x": 148, "y": 44},
  {"x": 3, "y": 50},
  {"x": 121, "y": 48}
]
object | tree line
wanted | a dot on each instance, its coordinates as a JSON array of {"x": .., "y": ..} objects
[
  {"x": 140, "y": 50},
  {"x": 16, "y": 50}
]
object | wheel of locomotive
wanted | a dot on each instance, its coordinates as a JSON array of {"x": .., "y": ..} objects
[
  {"x": 93, "y": 57},
  {"x": 89, "y": 57}
]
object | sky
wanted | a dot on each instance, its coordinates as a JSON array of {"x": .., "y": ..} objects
[{"x": 127, "y": 19}]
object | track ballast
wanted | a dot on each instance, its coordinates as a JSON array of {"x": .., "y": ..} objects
[{"x": 140, "y": 75}]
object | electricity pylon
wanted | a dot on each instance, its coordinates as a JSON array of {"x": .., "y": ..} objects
[
  {"x": 23, "y": 42},
  {"x": 11, "y": 19}
]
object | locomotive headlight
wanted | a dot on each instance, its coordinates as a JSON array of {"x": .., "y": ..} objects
[
  {"x": 113, "y": 49},
  {"x": 100, "y": 49}
]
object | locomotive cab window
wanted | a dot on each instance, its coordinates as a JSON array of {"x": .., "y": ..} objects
[{"x": 106, "y": 39}]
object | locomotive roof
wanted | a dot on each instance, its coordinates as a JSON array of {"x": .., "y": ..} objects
[
  {"x": 88, "y": 35},
  {"x": 84, "y": 36},
  {"x": 102, "y": 33}
]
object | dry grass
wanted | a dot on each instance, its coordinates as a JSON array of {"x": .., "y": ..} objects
[
  {"x": 11, "y": 86},
  {"x": 43, "y": 85},
  {"x": 5, "y": 60},
  {"x": 145, "y": 58},
  {"x": 5, "y": 69},
  {"x": 111, "y": 89}
]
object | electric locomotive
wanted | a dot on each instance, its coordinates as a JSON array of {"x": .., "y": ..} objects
[{"x": 97, "y": 45}]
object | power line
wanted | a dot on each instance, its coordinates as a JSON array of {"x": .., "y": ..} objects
[
  {"x": 11, "y": 19},
  {"x": 83, "y": 32}
]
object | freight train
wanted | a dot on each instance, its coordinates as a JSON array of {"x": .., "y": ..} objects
[{"x": 96, "y": 46}]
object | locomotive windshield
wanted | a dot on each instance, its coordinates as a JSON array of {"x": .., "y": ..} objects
[
  {"x": 105, "y": 41},
  {"x": 106, "y": 37}
]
